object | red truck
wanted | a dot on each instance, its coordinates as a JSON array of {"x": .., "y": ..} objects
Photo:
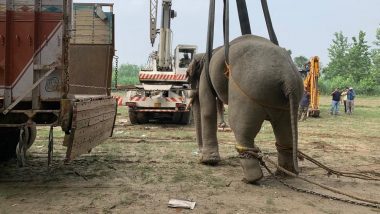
[{"x": 55, "y": 70}]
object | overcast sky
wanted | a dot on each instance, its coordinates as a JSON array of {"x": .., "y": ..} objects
[{"x": 304, "y": 26}]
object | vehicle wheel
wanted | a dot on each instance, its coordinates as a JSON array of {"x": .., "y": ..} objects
[
  {"x": 9, "y": 143},
  {"x": 177, "y": 116},
  {"x": 185, "y": 119},
  {"x": 133, "y": 117},
  {"x": 142, "y": 117}
]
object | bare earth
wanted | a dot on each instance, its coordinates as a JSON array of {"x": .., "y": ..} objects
[{"x": 142, "y": 167}]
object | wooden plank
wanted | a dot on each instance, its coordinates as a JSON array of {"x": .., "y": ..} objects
[
  {"x": 94, "y": 120},
  {"x": 90, "y": 41},
  {"x": 83, "y": 140},
  {"x": 93, "y": 32},
  {"x": 81, "y": 115},
  {"x": 94, "y": 112},
  {"x": 85, "y": 105}
]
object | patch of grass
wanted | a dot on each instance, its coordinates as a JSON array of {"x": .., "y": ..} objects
[
  {"x": 179, "y": 176},
  {"x": 127, "y": 200}
]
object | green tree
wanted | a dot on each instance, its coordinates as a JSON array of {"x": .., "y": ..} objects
[
  {"x": 338, "y": 52},
  {"x": 127, "y": 74},
  {"x": 376, "y": 58},
  {"x": 359, "y": 60},
  {"x": 300, "y": 61}
]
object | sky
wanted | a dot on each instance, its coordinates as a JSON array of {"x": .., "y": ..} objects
[{"x": 306, "y": 27}]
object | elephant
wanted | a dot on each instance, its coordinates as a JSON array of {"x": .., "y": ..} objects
[{"x": 262, "y": 84}]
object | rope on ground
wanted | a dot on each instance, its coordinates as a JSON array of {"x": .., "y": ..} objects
[
  {"x": 338, "y": 173},
  {"x": 265, "y": 159},
  {"x": 320, "y": 194}
]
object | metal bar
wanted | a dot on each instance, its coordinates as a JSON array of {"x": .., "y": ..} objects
[{"x": 10, "y": 107}]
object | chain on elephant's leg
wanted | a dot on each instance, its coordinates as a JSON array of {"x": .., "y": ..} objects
[
  {"x": 245, "y": 120},
  {"x": 282, "y": 129},
  {"x": 250, "y": 164}
]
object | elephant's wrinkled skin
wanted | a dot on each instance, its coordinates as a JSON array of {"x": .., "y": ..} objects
[{"x": 264, "y": 85}]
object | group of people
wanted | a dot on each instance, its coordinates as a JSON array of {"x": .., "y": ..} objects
[{"x": 347, "y": 97}]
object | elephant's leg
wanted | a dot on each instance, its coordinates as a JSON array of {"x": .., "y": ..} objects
[
  {"x": 245, "y": 119},
  {"x": 220, "y": 109},
  {"x": 197, "y": 120},
  {"x": 281, "y": 124},
  {"x": 210, "y": 149}
]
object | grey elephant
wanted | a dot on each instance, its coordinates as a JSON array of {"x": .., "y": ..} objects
[{"x": 262, "y": 84}]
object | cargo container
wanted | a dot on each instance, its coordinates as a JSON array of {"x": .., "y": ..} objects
[{"x": 55, "y": 70}]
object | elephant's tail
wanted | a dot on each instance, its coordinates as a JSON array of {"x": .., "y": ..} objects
[{"x": 294, "y": 123}]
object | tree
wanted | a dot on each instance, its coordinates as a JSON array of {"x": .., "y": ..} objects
[
  {"x": 127, "y": 74},
  {"x": 300, "y": 61},
  {"x": 359, "y": 60},
  {"x": 338, "y": 52},
  {"x": 375, "y": 56}
]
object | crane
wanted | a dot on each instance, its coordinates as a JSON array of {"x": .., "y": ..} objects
[
  {"x": 164, "y": 89},
  {"x": 311, "y": 85}
]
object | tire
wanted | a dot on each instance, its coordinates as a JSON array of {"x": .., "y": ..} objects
[
  {"x": 133, "y": 117},
  {"x": 142, "y": 117},
  {"x": 9, "y": 143},
  {"x": 177, "y": 116},
  {"x": 185, "y": 119}
]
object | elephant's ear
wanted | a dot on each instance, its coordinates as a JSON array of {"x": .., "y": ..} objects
[{"x": 195, "y": 68}]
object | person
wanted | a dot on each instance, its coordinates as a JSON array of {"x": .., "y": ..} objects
[
  {"x": 344, "y": 99},
  {"x": 304, "y": 106},
  {"x": 185, "y": 61},
  {"x": 335, "y": 102},
  {"x": 350, "y": 100}
]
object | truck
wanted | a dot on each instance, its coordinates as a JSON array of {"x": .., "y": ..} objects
[
  {"x": 55, "y": 71},
  {"x": 163, "y": 92}
]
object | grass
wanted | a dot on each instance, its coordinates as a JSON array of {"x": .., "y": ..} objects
[{"x": 162, "y": 169}]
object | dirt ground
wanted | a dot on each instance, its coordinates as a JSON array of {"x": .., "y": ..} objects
[{"x": 143, "y": 166}]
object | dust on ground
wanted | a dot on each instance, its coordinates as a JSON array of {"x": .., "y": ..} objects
[{"x": 143, "y": 166}]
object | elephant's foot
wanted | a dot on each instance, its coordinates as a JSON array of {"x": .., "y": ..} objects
[
  {"x": 252, "y": 170},
  {"x": 285, "y": 160},
  {"x": 210, "y": 158}
]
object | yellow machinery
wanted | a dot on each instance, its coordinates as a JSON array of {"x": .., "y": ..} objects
[{"x": 311, "y": 85}]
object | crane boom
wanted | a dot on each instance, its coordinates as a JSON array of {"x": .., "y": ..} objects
[
  {"x": 153, "y": 20},
  {"x": 164, "y": 51}
]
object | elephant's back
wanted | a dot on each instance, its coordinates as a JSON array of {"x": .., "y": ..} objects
[{"x": 260, "y": 70}]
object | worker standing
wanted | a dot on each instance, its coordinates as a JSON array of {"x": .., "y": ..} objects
[
  {"x": 304, "y": 106},
  {"x": 335, "y": 102},
  {"x": 344, "y": 99},
  {"x": 350, "y": 100}
]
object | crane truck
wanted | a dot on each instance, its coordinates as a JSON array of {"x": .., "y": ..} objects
[
  {"x": 163, "y": 93},
  {"x": 311, "y": 73}
]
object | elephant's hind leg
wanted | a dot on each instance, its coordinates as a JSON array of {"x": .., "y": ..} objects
[
  {"x": 210, "y": 149},
  {"x": 281, "y": 124},
  {"x": 246, "y": 119}
]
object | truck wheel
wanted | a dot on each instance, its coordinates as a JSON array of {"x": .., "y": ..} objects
[
  {"x": 133, "y": 117},
  {"x": 142, "y": 117},
  {"x": 9, "y": 143},
  {"x": 177, "y": 116},
  {"x": 185, "y": 119}
]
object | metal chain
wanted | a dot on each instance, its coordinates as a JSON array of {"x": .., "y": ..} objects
[
  {"x": 317, "y": 193},
  {"x": 66, "y": 41},
  {"x": 116, "y": 69},
  {"x": 260, "y": 156}
]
